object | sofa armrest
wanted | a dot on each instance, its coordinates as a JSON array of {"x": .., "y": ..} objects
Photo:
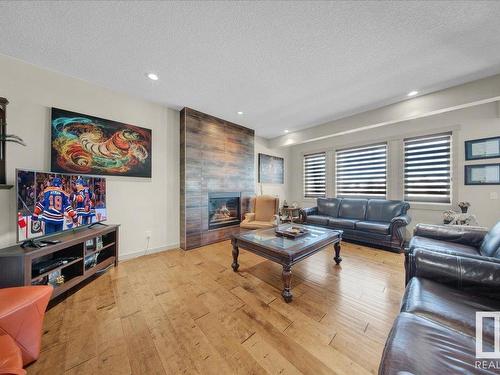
[
  {"x": 307, "y": 211},
  {"x": 458, "y": 234},
  {"x": 400, "y": 221},
  {"x": 481, "y": 274}
]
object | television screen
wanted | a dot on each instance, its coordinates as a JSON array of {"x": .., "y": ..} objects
[{"x": 48, "y": 203}]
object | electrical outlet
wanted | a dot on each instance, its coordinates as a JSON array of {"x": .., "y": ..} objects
[
  {"x": 494, "y": 195},
  {"x": 148, "y": 234}
]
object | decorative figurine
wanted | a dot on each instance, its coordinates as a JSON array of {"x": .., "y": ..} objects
[{"x": 464, "y": 206}]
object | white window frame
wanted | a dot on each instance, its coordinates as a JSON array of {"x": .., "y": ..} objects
[
  {"x": 304, "y": 155},
  {"x": 387, "y": 165},
  {"x": 430, "y": 205}
]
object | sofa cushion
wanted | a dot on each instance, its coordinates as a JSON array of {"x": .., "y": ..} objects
[
  {"x": 317, "y": 220},
  {"x": 342, "y": 223},
  {"x": 353, "y": 208},
  {"x": 384, "y": 210},
  {"x": 328, "y": 206},
  {"x": 420, "y": 346},
  {"x": 446, "y": 247},
  {"x": 491, "y": 243},
  {"x": 451, "y": 307},
  {"x": 373, "y": 226}
]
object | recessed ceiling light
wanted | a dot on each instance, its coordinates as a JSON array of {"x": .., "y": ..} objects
[
  {"x": 239, "y": 112},
  {"x": 286, "y": 130},
  {"x": 412, "y": 93},
  {"x": 152, "y": 76}
]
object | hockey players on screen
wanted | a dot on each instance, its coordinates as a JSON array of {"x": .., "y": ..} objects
[
  {"x": 84, "y": 202},
  {"x": 49, "y": 203},
  {"x": 53, "y": 206}
]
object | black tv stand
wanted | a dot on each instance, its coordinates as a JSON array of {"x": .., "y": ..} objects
[
  {"x": 32, "y": 243},
  {"x": 97, "y": 223}
]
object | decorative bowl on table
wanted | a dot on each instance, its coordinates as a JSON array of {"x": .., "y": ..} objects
[{"x": 291, "y": 231}]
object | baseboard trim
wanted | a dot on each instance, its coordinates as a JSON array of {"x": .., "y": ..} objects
[{"x": 137, "y": 254}]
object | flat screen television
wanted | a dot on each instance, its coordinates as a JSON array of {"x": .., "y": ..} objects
[{"x": 50, "y": 203}]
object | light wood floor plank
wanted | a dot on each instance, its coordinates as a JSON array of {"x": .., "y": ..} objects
[{"x": 180, "y": 312}]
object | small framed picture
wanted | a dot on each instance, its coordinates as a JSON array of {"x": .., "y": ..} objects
[
  {"x": 482, "y": 174},
  {"x": 485, "y": 148}
]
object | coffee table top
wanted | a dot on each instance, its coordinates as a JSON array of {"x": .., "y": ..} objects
[{"x": 266, "y": 240}]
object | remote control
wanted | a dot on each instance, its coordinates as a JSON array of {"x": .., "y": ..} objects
[{"x": 50, "y": 242}]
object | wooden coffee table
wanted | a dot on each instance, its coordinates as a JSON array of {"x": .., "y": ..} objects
[{"x": 286, "y": 251}]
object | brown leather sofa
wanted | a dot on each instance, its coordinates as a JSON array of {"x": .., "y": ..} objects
[
  {"x": 435, "y": 333},
  {"x": 22, "y": 311},
  {"x": 264, "y": 213}
]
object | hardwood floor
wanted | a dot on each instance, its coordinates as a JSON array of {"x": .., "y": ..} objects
[{"x": 182, "y": 312}]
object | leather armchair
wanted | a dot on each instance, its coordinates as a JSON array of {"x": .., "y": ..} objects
[
  {"x": 11, "y": 361},
  {"x": 264, "y": 213},
  {"x": 22, "y": 311}
]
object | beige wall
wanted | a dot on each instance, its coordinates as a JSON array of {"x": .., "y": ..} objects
[
  {"x": 471, "y": 123},
  {"x": 138, "y": 204},
  {"x": 141, "y": 205},
  {"x": 278, "y": 190},
  {"x": 486, "y": 90}
]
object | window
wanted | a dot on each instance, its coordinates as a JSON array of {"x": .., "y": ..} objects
[
  {"x": 362, "y": 172},
  {"x": 428, "y": 168},
  {"x": 315, "y": 175}
]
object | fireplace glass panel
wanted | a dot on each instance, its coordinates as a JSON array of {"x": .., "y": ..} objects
[{"x": 223, "y": 210}]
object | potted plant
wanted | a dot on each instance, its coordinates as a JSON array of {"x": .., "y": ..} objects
[{"x": 464, "y": 206}]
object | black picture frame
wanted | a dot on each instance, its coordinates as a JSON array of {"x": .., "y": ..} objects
[
  {"x": 469, "y": 144},
  {"x": 271, "y": 169},
  {"x": 468, "y": 174}
]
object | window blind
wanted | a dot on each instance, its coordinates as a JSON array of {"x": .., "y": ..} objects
[
  {"x": 428, "y": 168},
  {"x": 362, "y": 172},
  {"x": 315, "y": 175}
]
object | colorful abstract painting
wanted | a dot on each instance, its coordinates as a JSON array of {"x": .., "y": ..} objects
[
  {"x": 271, "y": 169},
  {"x": 86, "y": 144}
]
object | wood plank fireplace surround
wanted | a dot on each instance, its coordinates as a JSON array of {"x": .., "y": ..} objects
[{"x": 217, "y": 177}]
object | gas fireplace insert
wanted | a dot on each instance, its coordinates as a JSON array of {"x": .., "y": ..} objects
[{"x": 223, "y": 209}]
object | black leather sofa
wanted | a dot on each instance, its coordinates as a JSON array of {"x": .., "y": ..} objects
[
  {"x": 376, "y": 222},
  {"x": 435, "y": 333},
  {"x": 448, "y": 239}
]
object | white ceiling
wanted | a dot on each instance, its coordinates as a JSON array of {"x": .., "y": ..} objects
[{"x": 286, "y": 65}]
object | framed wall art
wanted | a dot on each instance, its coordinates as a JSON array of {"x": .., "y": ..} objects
[
  {"x": 485, "y": 148},
  {"x": 271, "y": 169},
  {"x": 482, "y": 174},
  {"x": 86, "y": 144}
]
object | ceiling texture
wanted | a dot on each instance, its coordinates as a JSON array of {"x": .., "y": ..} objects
[{"x": 286, "y": 65}]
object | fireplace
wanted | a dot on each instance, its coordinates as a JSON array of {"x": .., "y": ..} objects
[{"x": 223, "y": 210}]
